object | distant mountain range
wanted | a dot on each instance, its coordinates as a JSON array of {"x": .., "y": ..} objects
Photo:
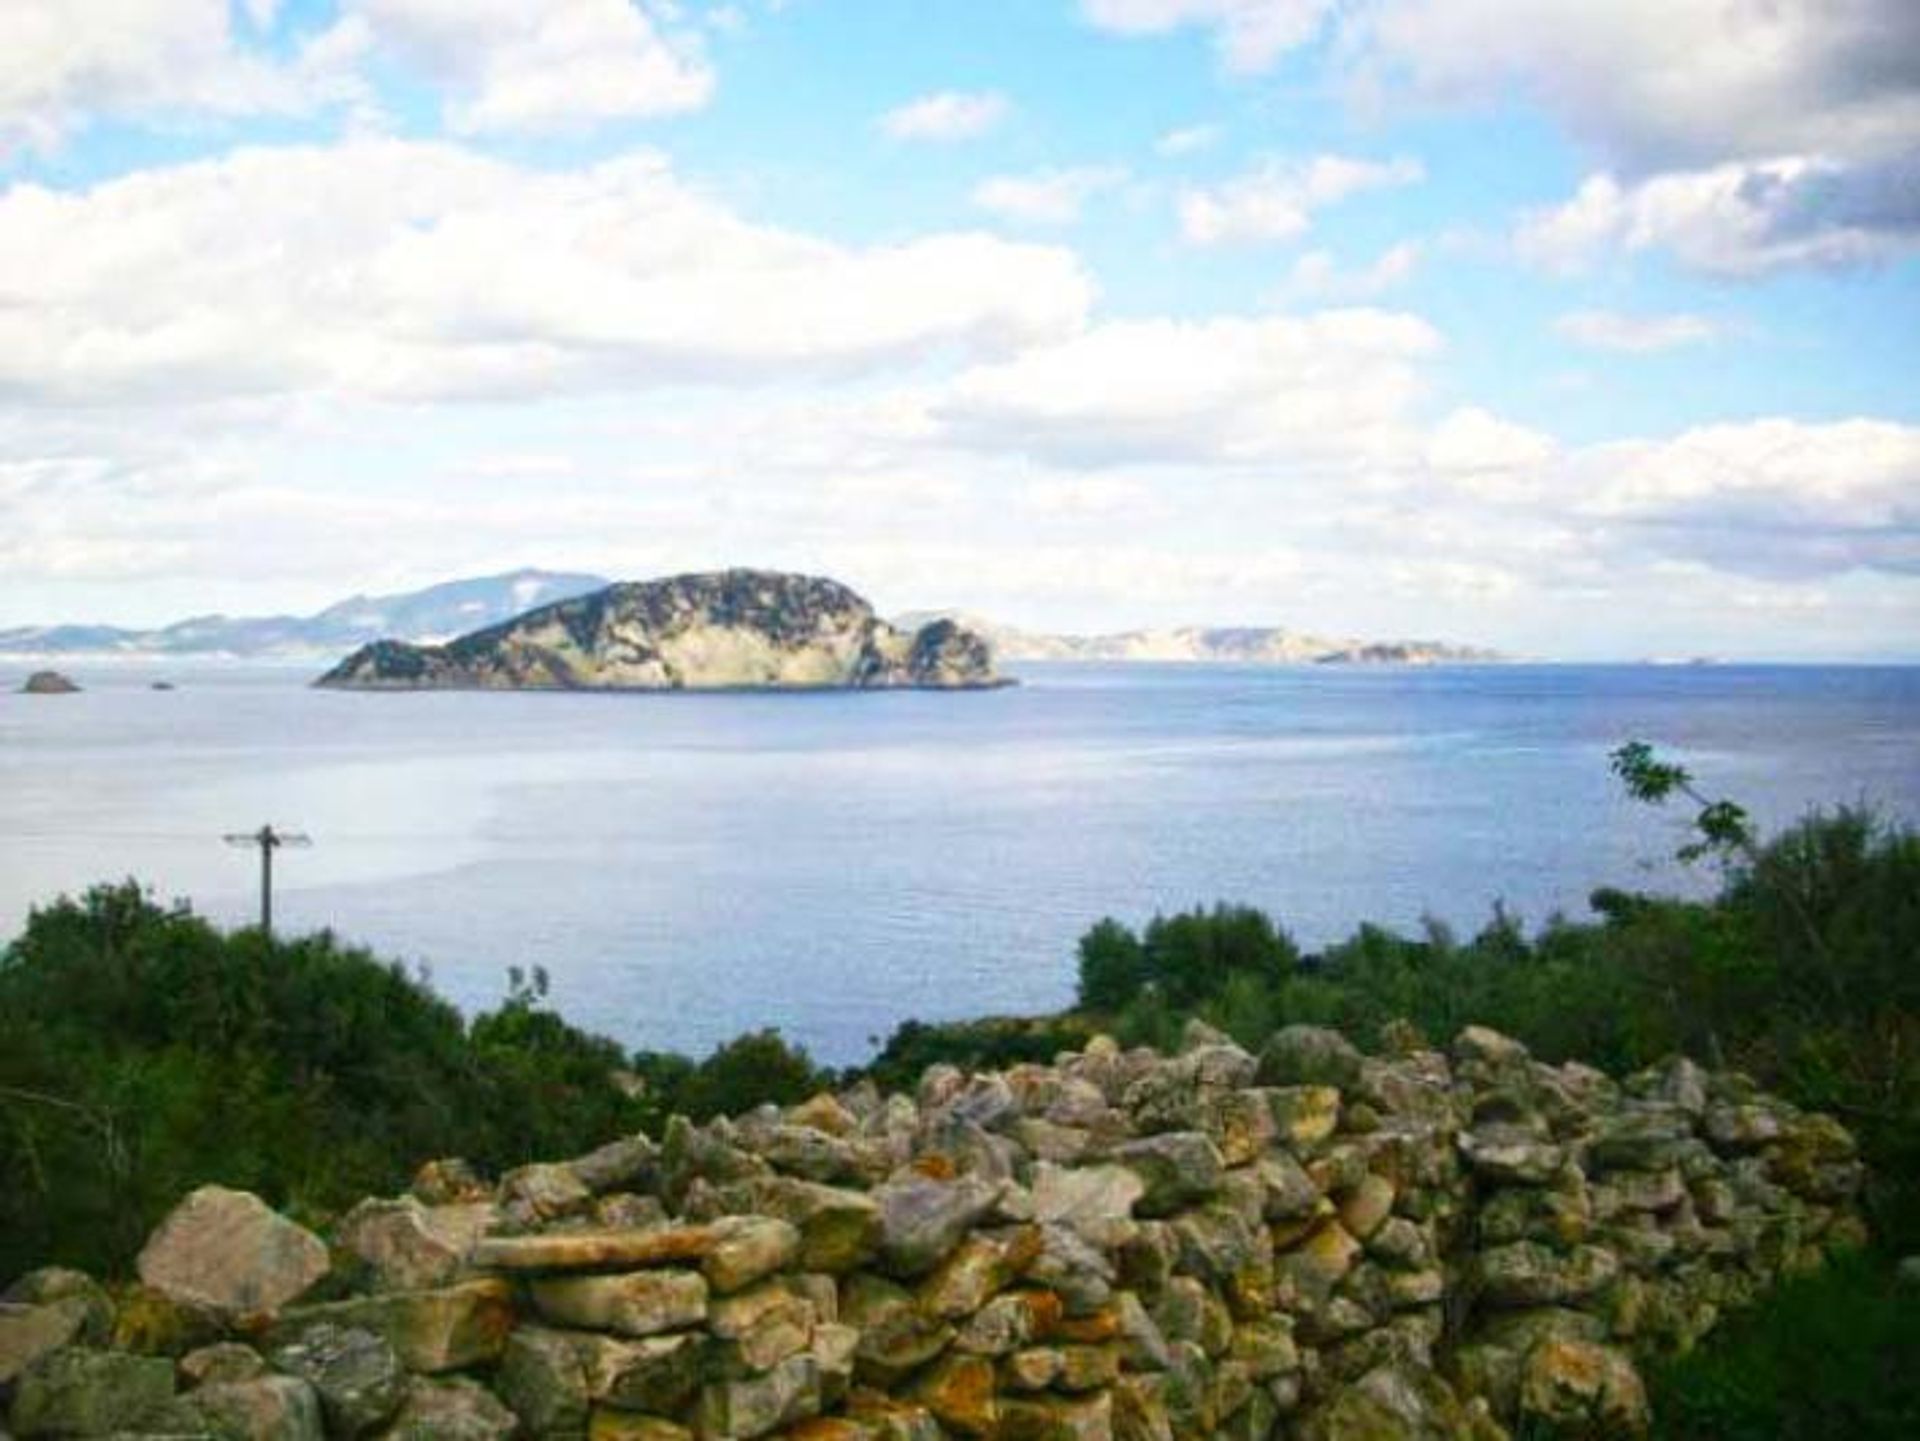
[
  {"x": 458, "y": 607},
  {"x": 439, "y": 612},
  {"x": 1247, "y": 645}
]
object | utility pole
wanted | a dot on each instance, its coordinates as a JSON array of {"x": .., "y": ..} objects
[{"x": 268, "y": 840}]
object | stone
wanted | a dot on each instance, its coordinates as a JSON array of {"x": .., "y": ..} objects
[
  {"x": 632, "y": 1303},
  {"x": 1529, "y": 1274},
  {"x": 747, "y": 1248},
  {"x": 543, "y": 1382},
  {"x": 1365, "y": 1209},
  {"x": 1305, "y": 1115},
  {"x": 761, "y": 1326},
  {"x": 628, "y": 1164},
  {"x": 51, "y": 1284},
  {"x": 222, "y": 1361},
  {"x": 657, "y": 1373},
  {"x": 757, "y": 1405},
  {"x": 447, "y": 1329},
  {"x": 356, "y": 1375},
  {"x": 840, "y": 1229},
  {"x": 1308, "y": 1056},
  {"x": 960, "y": 1391},
  {"x": 1489, "y": 1047},
  {"x": 980, "y": 1268},
  {"x": 1581, "y": 1388},
  {"x": 153, "y": 1323},
  {"x": 80, "y": 1392},
  {"x": 543, "y": 1192},
  {"x": 264, "y": 1408},
  {"x": 596, "y": 1250},
  {"x": 29, "y": 1332},
  {"x": 606, "y": 1425},
  {"x": 922, "y": 1220},
  {"x": 1394, "y": 1402},
  {"x": 896, "y": 1336},
  {"x": 454, "y": 1409},
  {"x": 406, "y": 1246},
  {"x": 449, "y": 1181},
  {"x": 1510, "y": 1155},
  {"x": 1009, "y": 1322},
  {"x": 1175, "y": 1169},
  {"x": 1096, "y": 1201},
  {"x": 230, "y": 1251},
  {"x": 1287, "y": 1191},
  {"x": 1058, "y": 1419}
]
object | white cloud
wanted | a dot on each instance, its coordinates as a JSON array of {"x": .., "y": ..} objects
[
  {"x": 1635, "y": 334},
  {"x": 1188, "y": 140},
  {"x": 1329, "y": 388},
  {"x": 1051, "y": 197},
  {"x": 1251, "y": 34},
  {"x": 1488, "y": 456},
  {"x": 1737, "y": 219},
  {"x": 1318, "y": 276},
  {"x": 60, "y": 68},
  {"x": 950, "y": 115},
  {"x": 397, "y": 269},
  {"x": 557, "y": 65},
  {"x": 1276, "y": 200}
]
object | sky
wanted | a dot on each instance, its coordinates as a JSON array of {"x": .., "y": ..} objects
[{"x": 1584, "y": 331}]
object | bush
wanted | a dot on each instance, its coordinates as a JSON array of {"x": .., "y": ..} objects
[{"x": 143, "y": 1053}]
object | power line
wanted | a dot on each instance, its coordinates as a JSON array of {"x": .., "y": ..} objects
[{"x": 268, "y": 840}]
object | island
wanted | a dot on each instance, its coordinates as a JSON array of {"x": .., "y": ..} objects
[
  {"x": 723, "y": 630},
  {"x": 48, "y": 682}
]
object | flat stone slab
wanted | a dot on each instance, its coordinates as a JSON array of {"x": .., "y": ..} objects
[{"x": 598, "y": 1250}]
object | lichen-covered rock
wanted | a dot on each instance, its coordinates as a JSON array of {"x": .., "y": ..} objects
[
  {"x": 406, "y": 1246},
  {"x": 356, "y": 1375},
  {"x": 922, "y": 1220},
  {"x": 1175, "y": 1168},
  {"x": 1580, "y": 1388},
  {"x": 632, "y": 1303},
  {"x": 262, "y": 1408},
  {"x": 230, "y": 1251},
  {"x": 29, "y": 1332},
  {"x": 1308, "y": 1056},
  {"x": 447, "y": 1329},
  {"x": 453, "y": 1409},
  {"x": 82, "y": 1392}
]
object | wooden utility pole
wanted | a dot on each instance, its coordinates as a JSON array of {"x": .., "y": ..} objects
[{"x": 268, "y": 840}]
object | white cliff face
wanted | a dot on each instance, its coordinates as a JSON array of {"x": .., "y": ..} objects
[{"x": 727, "y": 630}]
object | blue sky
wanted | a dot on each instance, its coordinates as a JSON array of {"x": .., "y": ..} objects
[{"x": 1584, "y": 331}]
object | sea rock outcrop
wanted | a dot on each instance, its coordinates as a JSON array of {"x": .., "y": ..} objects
[
  {"x": 736, "y": 629},
  {"x": 48, "y": 682},
  {"x": 1120, "y": 1246}
]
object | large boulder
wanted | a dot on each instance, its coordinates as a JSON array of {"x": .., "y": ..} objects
[
  {"x": 230, "y": 1251},
  {"x": 356, "y": 1374},
  {"x": 80, "y": 1392}
]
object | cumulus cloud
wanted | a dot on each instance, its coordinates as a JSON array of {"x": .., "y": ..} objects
[
  {"x": 1635, "y": 334},
  {"x": 1277, "y": 199},
  {"x": 1332, "y": 388},
  {"x": 1318, "y": 276},
  {"x": 127, "y": 58},
  {"x": 1738, "y": 219},
  {"x": 398, "y": 269},
  {"x": 1250, "y": 34},
  {"x": 561, "y": 64},
  {"x": 950, "y": 115},
  {"x": 1051, "y": 197}
]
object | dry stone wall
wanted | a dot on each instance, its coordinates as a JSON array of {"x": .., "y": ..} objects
[{"x": 1304, "y": 1243}]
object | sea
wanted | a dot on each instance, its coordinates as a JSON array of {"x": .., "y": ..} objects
[{"x": 688, "y": 867}]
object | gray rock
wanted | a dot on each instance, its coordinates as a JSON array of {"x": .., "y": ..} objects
[
  {"x": 450, "y": 1410},
  {"x": 265, "y": 1408},
  {"x": 922, "y": 1220},
  {"x": 1176, "y": 1169},
  {"x": 356, "y": 1374}
]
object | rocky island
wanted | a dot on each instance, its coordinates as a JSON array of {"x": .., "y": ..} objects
[
  {"x": 725, "y": 630},
  {"x": 48, "y": 682}
]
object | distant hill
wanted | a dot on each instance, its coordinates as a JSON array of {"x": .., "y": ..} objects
[
  {"x": 721, "y": 630},
  {"x": 1253, "y": 645},
  {"x": 439, "y": 612}
]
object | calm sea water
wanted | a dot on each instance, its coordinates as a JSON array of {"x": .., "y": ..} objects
[{"x": 687, "y": 867}]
